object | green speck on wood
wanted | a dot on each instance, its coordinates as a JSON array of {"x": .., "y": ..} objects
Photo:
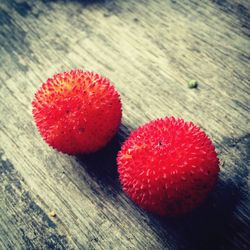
[{"x": 192, "y": 84}]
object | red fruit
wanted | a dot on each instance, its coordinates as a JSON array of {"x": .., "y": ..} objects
[
  {"x": 77, "y": 111},
  {"x": 168, "y": 166}
]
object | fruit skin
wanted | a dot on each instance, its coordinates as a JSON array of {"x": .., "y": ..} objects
[
  {"x": 168, "y": 166},
  {"x": 77, "y": 111}
]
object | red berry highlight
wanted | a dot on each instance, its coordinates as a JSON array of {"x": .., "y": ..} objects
[
  {"x": 168, "y": 166},
  {"x": 77, "y": 111}
]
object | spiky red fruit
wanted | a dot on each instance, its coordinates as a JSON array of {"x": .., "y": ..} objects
[
  {"x": 77, "y": 111},
  {"x": 168, "y": 166}
]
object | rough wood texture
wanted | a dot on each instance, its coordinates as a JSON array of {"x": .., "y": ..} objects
[{"x": 150, "y": 50}]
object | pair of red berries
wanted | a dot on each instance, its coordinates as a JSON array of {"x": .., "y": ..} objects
[{"x": 167, "y": 166}]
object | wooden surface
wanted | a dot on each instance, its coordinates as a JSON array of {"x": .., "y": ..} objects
[{"x": 150, "y": 50}]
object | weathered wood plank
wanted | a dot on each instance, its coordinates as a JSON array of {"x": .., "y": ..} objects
[
  {"x": 150, "y": 50},
  {"x": 24, "y": 225}
]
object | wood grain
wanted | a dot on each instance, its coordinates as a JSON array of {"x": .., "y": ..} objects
[{"x": 150, "y": 50}]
